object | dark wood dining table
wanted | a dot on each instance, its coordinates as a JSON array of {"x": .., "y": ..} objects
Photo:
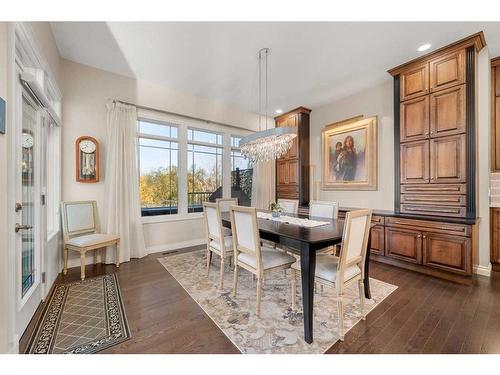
[{"x": 306, "y": 242}]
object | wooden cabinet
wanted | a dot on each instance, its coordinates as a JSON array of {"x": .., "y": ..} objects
[
  {"x": 292, "y": 170},
  {"x": 447, "y": 116},
  {"x": 495, "y": 238},
  {"x": 415, "y": 162},
  {"x": 447, "y": 159},
  {"x": 404, "y": 244},
  {"x": 415, "y": 119},
  {"x": 495, "y": 114},
  {"x": 450, "y": 253},
  {"x": 447, "y": 70},
  {"x": 415, "y": 82}
]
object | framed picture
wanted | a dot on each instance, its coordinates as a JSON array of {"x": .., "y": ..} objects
[{"x": 350, "y": 155}]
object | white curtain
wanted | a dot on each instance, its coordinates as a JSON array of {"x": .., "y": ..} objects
[
  {"x": 263, "y": 182},
  {"x": 122, "y": 207}
]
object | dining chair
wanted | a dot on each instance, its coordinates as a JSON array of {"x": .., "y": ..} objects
[
  {"x": 324, "y": 209},
  {"x": 289, "y": 206},
  {"x": 81, "y": 233},
  {"x": 217, "y": 242},
  {"x": 249, "y": 254},
  {"x": 340, "y": 272},
  {"x": 224, "y": 204}
]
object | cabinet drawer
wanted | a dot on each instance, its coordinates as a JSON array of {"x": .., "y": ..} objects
[
  {"x": 288, "y": 191},
  {"x": 434, "y": 189},
  {"x": 446, "y": 252},
  {"x": 449, "y": 211},
  {"x": 429, "y": 226},
  {"x": 443, "y": 200},
  {"x": 403, "y": 244},
  {"x": 378, "y": 219}
]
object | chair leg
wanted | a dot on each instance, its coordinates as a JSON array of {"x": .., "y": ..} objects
[
  {"x": 259, "y": 295},
  {"x": 95, "y": 257},
  {"x": 221, "y": 277},
  {"x": 235, "y": 280},
  {"x": 117, "y": 260},
  {"x": 321, "y": 290},
  {"x": 209, "y": 258},
  {"x": 362, "y": 298},
  {"x": 82, "y": 265},
  {"x": 340, "y": 310},
  {"x": 294, "y": 290},
  {"x": 65, "y": 269}
]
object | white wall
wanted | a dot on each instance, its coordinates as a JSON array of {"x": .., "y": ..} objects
[
  {"x": 378, "y": 101},
  {"x": 86, "y": 91}
]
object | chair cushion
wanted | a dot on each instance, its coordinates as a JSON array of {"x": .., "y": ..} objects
[
  {"x": 270, "y": 258},
  {"x": 326, "y": 268},
  {"x": 92, "y": 239},
  {"x": 228, "y": 243}
]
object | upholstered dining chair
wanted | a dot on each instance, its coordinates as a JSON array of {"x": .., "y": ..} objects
[
  {"x": 324, "y": 209},
  {"x": 248, "y": 252},
  {"x": 81, "y": 233},
  {"x": 345, "y": 270},
  {"x": 217, "y": 242},
  {"x": 289, "y": 206},
  {"x": 224, "y": 204}
]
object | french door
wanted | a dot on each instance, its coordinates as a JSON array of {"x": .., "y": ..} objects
[{"x": 29, "y": 238}]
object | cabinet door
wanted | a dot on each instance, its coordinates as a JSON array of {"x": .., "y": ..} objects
[
  {"x": 293, "y": 172},
  {"x": 414, "y": 82},
  {"x": 377, "y": 240},
  {"x": 414, "y": 119},
  {"x": 447, "y": 70},
  {"x": 448, "y": 111},
  {"x": 495, "y": 162},
  {"x": 283, "y": 177},
  {"x": 448, "y": 162},
  {"x": 495, "y": 235},
  {"x": 415, "y": 162},
  {"x": 497, "y": 80},
  {"x": 294, "y": 150},
  {"x": 450, "y": 253},
  {"x": 404, "y": 244}
]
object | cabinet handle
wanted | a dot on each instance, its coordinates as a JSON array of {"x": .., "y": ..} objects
[
  {"x": 424, "y": 236},
  {"x": 419, "y": 236}
]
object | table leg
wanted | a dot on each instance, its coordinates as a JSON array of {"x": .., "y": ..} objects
[
  {"x": 307, "y": 270},
  {"x": 368, "y": 293}
]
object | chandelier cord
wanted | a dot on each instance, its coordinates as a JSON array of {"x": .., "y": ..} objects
[{"x": 267, "y": 88}]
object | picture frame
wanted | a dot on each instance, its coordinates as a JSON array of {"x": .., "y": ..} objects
[{"x": 349, "y": 154}]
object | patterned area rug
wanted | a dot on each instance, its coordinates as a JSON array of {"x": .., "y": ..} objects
[
  {"x": 279, "y": 329},
  {"x": 82, "y": 317}
]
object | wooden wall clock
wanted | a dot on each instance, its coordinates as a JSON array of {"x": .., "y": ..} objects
[{"x": 87, "y": 159}]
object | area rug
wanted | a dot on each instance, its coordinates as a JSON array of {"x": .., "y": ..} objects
[
  {"x": 279, "y": 329},
  {"x": 82, "y": 317}
]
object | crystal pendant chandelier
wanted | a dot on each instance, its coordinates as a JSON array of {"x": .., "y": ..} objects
[{"x": 268, "y": 144}]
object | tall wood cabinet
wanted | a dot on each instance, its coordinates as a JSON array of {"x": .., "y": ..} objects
[
  {"x": 434, "y": 98},
  {"x": 495, "y": 161},
  {"x": 292, "y": 170}
]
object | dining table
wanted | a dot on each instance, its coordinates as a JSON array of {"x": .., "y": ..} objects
[{"x": 306, "y": 241}]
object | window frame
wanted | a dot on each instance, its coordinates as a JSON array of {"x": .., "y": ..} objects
[{"x": 184, "y": 123}]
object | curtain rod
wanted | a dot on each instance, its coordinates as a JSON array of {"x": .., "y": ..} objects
[{"x": 178, "y": 114}]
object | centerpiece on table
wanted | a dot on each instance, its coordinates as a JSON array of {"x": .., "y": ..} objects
[{"x": 275, "y": 209}]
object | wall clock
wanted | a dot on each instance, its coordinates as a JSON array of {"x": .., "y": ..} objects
[{"x": 87, "y": 159}]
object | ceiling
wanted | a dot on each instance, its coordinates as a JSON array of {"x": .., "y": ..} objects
[{"x": 311, "y": 63}]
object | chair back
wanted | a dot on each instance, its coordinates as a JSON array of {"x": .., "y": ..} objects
[
  {"x": 213, "y": 222},
  {"x": 354, "y": 241},
  {"x": 225, "y": 203},
  {"x": 324, "y": 209},
  {"x": 290, "y": 206},
  {"x": 79, "y": 218},
  {"x": 246, "y": 232}
]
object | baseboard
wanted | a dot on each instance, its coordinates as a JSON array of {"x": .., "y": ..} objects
[
  {"x": 482, "y": 270},
  {"x": 174, "y": 246}
]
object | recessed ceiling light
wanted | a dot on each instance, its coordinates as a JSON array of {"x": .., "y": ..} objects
[
  {"x": 424, "y": 47},
  {"x": 278, "y": 111}
]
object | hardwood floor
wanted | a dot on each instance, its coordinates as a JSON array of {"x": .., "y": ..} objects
[{"x": 424, "y": 315}]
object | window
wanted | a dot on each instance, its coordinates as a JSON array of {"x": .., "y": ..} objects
[
  {"x": 241, "y": 174},
  {"x": 204, "y": 171},
  {"x": 158, "y": 165}
]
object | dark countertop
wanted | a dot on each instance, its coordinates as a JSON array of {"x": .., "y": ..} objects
[{"x": 389, "y": 213}]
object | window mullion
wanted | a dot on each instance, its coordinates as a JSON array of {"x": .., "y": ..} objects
[
  {"x": 182, "y": 171},
  {"x": 226, "y": 166}
]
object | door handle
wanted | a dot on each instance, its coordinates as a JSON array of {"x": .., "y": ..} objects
[{"x": 24, "y": 226}]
